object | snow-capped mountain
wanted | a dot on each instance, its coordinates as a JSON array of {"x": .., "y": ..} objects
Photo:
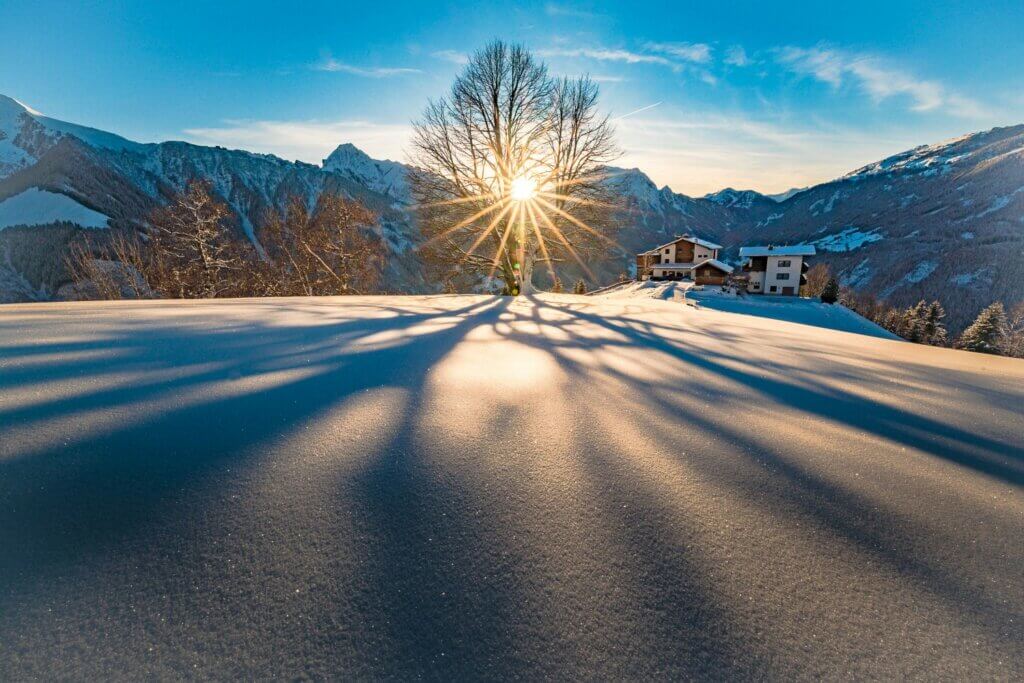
[
  {"x": 83, "y": 169},
  {"x": 938, "y": 221},
  {"x": 386, "y": 177},
  {"x": 739, "y": 199}
]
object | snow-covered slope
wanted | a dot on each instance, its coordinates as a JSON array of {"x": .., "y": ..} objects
[
  {"x": 492, "y": 488},
  {"x": 39, "y": 207},
  {"x": 789, "y": 309}
]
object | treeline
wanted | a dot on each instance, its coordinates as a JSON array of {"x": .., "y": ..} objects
[
  {"x": 995, "y": 330},
  {"x": 190, "y": 252}
]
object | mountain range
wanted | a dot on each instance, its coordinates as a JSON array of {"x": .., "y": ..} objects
[{"x": 939, "y": 221}]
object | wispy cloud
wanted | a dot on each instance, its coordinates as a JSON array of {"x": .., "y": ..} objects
[
  {"x": 607, "y": 55},
  {"x": 332, "y": 64},
  {"x": 877, "y": 78},
  {"x": 689, "y": 58},
  {"x": 560, "y": 10},
  {"x": 736, "y": 56},
  {"x": 699, "y": 53},
  {"x": 597, "y": 78},
  {"x": 309, "y": 141},
  {"x": 453, "y": 56}
]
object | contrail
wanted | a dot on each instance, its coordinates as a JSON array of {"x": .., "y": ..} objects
[{"x": 636, "y": 111}]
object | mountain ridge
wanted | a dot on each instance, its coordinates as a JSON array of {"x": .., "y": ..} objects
[{"x": 919, "y": 223}]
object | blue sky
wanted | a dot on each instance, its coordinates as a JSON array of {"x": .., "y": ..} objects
[{"x": 741, "y": 94}]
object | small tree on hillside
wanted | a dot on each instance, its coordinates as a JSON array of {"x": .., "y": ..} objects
[
  {"x": 830, "y": 292},
  {"x": 556, "y": 286},
  {"x": 934, "y": 328},
  {"x": 818, "y": 276},
  {"x": 580, "y": 288},
  {"x": 987, "y": 334}
]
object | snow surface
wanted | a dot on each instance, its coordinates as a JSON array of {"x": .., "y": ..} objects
[
  {"x": 477, "y": 488},
  {"x": 783, "y": 308},
  {"x": 858, "y": 275},
  {"x": 39, "y": 207},
  {"x": 848, "y": 239}
]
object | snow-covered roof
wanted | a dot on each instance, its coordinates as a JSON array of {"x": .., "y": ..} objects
[
  {"x": 683, "y": 238},
  {"x": 715, "y": 263},
  {"x": 794, "y": 250}
]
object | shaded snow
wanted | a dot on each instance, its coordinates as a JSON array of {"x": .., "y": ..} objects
[
  {"x": 857, "y": 276},
  {"x": 979, "y": 276},
  {"x": 39, "y": 207},
  {"x": 921, "y": 271}
]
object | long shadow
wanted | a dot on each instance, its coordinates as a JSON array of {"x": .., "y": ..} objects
[
  {"x": 1004, "y": 460},
  {"x": 836, "y": 508},
  {"x": 112, "y": 485}
]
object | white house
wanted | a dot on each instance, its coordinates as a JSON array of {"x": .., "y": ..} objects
[
  {"x": 684, "y": 258},
  {"x": 776, "y": 270}
]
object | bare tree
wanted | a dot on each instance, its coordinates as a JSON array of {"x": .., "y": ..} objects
[
  {"x": 193, "y": 253},
  {"x": 326, "y": 250},
  {"x": 1014, "y": 345},
  {"x": 118, "y": 268},
  {"x": 508, "y": 171}
]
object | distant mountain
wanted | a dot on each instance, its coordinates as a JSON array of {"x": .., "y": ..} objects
[
  {"x": 125, "y": 180},
  {"x": 938, "y": 221},
  {"x": 783, "y": 196}
]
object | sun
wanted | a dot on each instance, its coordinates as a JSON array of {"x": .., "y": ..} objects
[{"x": 523, "y": 189}]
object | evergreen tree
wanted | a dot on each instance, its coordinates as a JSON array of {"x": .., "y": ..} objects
[
  {"x": 987, "y": 333},
  {"x": 934, "y": 328},
  {"x": 913, "y": 325},
  {"x": 830, "y": 294},
  {"x": 556, "y": 287},
  {"x": 891, "y": 320},
  {"x": 580, "y": 288}
]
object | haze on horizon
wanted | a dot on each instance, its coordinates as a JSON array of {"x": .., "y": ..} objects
[{"x": 750, "y": 96}]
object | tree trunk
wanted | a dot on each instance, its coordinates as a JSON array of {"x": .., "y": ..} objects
[{"x": 526, "y": 287}]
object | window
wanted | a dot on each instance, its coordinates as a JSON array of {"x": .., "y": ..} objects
[
  {"x": 784, "y": 264},
  {"x": 666, "y": 251},
  {"x": 773, "y": 288},
  {"x": 781, "y": 276}
]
